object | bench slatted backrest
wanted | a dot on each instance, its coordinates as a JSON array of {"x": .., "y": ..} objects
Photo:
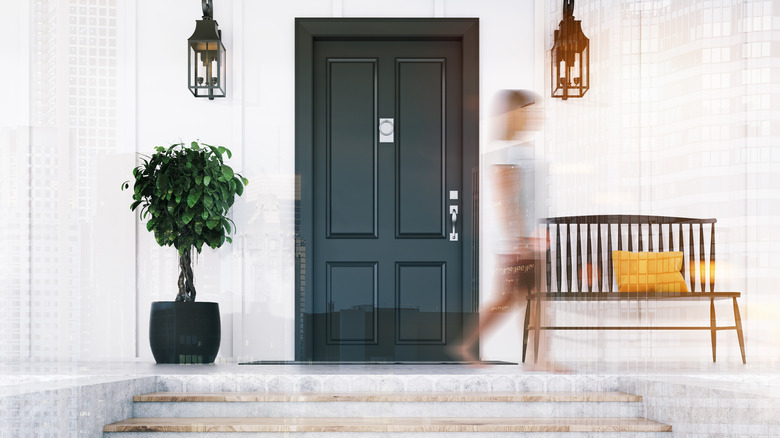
[{"x": 580, "y": 229}]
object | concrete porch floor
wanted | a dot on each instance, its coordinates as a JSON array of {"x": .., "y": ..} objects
[{"x": 42, "y": 371}]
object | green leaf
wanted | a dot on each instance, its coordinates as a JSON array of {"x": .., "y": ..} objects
[
  {"x": 134, "y": 205},
  {"x": 204, "y": 215},
  {"x": 212, "y": 223},
  {"x": 139, "y": 187},
  {"x": 187, "y": 216},
  {"x": 226, "y": 224},
  {"x": 162, "y": 182},
  {"x": 208, "y": 201},
  {"x": 206, "y": 180},
  {"x": 150, "y": 224},
  {"x": 195, "y": 146},
  {"x": 239, "y": 187},
  {"x": 245, "y": 181},
  {"x": 223, "y": 150},
  {"x": 192, "y": 199},
  {"x": 227, "y": 172}
]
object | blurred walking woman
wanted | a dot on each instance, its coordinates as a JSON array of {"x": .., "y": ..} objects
[{"x": 513, "y": 191}]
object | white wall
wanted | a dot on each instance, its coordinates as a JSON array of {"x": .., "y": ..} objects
[
  {"x": 253, "y": 279},
  {"x": 67, "y": 279}
]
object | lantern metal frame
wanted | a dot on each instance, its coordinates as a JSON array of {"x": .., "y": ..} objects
[
  {"x": 569, "y": 57},
  {"x": 206, "y": 66}
]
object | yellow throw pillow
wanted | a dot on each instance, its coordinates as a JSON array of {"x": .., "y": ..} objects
[{"x": 649, "y": 271}]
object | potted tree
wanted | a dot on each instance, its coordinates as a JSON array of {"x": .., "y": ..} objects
[{"x": 186, "y": 192}]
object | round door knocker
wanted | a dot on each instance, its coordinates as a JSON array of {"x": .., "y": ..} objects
[{"x": 386, "y": 127}]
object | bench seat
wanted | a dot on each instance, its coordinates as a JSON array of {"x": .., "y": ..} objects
[{"x": 632, "y": 296}]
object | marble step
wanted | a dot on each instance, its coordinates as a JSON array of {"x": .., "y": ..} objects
[
  {"x": 402, "y": 404},
  {"x": 391, "y": 425},
  {"x": 541, "y": 396},
  {"x": 696, "y": 407}
]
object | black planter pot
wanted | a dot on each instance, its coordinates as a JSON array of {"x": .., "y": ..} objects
[{"x": 184, "y": 332}]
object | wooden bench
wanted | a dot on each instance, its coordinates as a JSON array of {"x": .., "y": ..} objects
[{"x": 595, "y": 281}]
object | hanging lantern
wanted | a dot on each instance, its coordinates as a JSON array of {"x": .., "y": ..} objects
[
  {"x": 206, "y": 57},
  {"x": 570, "y": 57}
]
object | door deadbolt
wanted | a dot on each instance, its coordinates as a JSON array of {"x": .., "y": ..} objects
[{"x": 386, "y": 130}]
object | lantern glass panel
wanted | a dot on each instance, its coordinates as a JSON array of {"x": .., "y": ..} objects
[
  {"x": 569, "y": 72},
  {"x": 207, "y": 68}
]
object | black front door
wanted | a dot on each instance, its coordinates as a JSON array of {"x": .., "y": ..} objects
[{"x": 385, "y": 260}]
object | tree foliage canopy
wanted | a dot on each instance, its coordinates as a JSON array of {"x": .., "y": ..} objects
[{"x": 186, "y": 192}]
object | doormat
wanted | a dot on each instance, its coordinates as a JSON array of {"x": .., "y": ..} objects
[{"x": 444, "y": 362}]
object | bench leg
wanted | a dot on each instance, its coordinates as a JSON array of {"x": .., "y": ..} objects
[
  {"x": 738, "y": 323},
  {"x": 526, "y": 323},
  {"x": 713, "y": 328},
  {"x": 537, "y": 327}
]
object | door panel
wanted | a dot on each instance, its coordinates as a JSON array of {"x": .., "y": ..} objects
[
  {"x": 422, "y": 296},
  {"x": 421, "y": 149},
  {"x": 351, "y": 296},
  {"x": 387, "y": 281},
  {"x": 351, "y": 156}
]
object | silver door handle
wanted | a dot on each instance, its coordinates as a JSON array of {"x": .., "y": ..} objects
[{"x": 454, "y": 219}]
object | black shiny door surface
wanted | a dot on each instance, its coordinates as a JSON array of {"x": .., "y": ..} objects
[{"x": 386, "y": 274}]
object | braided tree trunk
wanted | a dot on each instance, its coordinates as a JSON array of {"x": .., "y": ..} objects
[{"x": 186, "y": 283}]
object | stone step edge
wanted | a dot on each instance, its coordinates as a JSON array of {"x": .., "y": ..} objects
[
  {"x": 386, "y": 424},
  {"x": 388, "y": 397}
]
